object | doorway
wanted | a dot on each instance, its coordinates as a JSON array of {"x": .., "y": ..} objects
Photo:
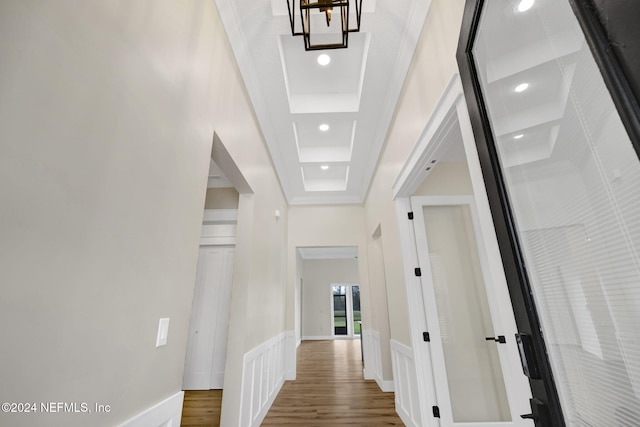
[
  {"x": 209, "y": 326},
  {"x": 463, "y": 327},
  {"x": 329, "y": 294},
  {"x": 471, "y": 364}
]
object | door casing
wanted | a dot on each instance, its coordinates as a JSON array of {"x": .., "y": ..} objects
[
  {"x": 516, "y": 386},
  {"x": 450, "y": 111}
]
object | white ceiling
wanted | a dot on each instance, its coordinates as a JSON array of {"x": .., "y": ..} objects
[{"x": 292, "y": 94}]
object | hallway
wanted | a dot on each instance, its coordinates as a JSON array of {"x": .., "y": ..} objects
[{"x": 329, "y": 390}]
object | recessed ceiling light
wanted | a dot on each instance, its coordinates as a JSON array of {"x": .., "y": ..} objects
[
  {"x": 518, "y": 136},
  {"x": 522, "y": 87},
  {"x": 324, "y": 127},
  {"x": 324, "y": 167},
  {"x": 525, "y": 5},
  {"x": 324, "y": 59}
]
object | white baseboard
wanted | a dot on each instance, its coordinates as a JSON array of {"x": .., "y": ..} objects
[
  {"x": 328, "y": 337},
  {"x": 368, "y": 375},
  {"x": 385, "y": 385},
  {"x": 166, "y": 413}
]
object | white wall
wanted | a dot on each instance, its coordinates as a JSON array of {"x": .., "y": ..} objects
[
  {"x": 380, "y": 306},
  {"x": 446, "y": 179},
  {"x": 107, "y": 116},
  {"x": 339, "y": 225},
  {"x": 318, "y": 275},
  {"x": 431, "y": 69},
  {"x": 330, "y": 225}
]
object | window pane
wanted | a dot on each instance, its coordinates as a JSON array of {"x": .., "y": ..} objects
[
  {"x": 572, "y": 179},
  {"x": 357, "y": 317},
  {"x": 339, "y": 313}
]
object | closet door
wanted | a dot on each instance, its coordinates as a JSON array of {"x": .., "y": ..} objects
[
  {"x": 209, "y": 327},
  {"x": 559, "y": 149}
]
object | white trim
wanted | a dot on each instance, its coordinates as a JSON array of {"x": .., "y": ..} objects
[
  {"x": 431, "y": 140},
  {"x": 263, "y": 374},
  {"x": 406, "y": 384},
  {"x": 373, "y": 360},
  {"x": 220, "y": 216},
  {"x": 386, "y": 386},
  {"x": 418, "y": 16},
  {"x": 219, "y": 227},
  {"x": 217, "y": 241},
  {"x": 426, "y": 394},
  {"x": 328, "y": 338},
  {"x": 166, "y": 413},
  {"x": 291, "y": 344},
  {"x": 368, "y": 350}
]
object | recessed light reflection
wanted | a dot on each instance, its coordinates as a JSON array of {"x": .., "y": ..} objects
[
  {"x": 525, "y": 5},
  {"x": 324, "y": 167},
  {"x": 324, "y": 59},
  {"x": 324, "y": 127},
  {"x": 522, "y": 87},
  {"x": 518, "y": 136}
]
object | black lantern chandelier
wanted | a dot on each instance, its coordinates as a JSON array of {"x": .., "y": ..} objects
[{"x": 314, "y": 13}]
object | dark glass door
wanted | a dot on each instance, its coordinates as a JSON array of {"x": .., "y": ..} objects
[
  {"x": 340, "y": 310},
  {"x": 556, "y": 123}
]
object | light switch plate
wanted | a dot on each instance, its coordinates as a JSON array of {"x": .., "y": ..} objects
[{"x": 163, "y": 332}]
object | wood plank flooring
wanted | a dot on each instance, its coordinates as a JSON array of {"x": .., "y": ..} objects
[
  {"x": 201, "y": 408},
  {"x": 329, "y": 391}
]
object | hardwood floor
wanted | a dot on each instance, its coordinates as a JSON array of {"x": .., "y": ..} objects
[
  {"x": 329, "y": 391},
  {"x": 201, "y": 408}
]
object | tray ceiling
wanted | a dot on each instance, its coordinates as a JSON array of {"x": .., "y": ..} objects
[{"x": 324, "y": 125}]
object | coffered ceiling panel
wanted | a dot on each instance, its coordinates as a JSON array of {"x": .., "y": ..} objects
[
  {"x": 325, "y": 177},
  {"x": 315, "y": 88},
  {"x": 324, "y": 138}
]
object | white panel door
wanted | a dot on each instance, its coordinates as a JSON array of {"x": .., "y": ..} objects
[
  {"x": 209, "y": 327},
  {"x": 476, "y": 368}
]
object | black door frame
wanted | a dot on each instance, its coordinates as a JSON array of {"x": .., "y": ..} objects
[{"x": 613, "y": 36}]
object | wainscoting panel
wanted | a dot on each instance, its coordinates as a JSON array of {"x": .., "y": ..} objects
[
  {"x": 163, "y": 414},
  {"x": 373, "y": 360},
  {"x": 291, "y": 346},
  {"x": 406, "y": 386},
  {"x": 262, "y": 377},
  {"x": 368, "y": 349}
]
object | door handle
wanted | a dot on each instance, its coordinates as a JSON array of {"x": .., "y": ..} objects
[
  {"x": 500, "y": 338},
  {"x": 539, "y": 414}
]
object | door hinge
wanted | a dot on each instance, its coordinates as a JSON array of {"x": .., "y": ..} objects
[
  {"x": 426, "y": 337},
  {"x": 436, "y": 412},
  {"x": 410, "y": 215},
  {"x": 418, "y": 272}
]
